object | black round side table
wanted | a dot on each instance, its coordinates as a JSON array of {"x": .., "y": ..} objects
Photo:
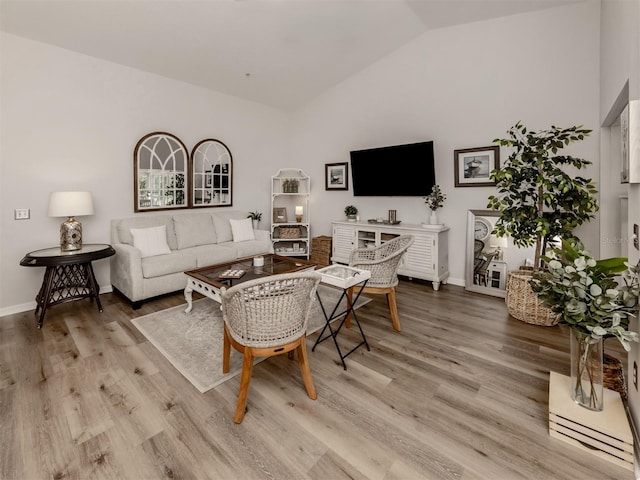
[{"x": 68, "y": 276}]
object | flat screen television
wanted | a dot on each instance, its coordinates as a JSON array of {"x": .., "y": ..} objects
[{"x": 394, "y": 171}]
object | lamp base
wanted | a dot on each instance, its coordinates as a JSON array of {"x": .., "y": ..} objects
[
  {"x": 299, "y": 218},
  {"x": 70, "y": 235}
]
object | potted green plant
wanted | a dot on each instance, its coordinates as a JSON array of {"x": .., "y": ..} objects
[
  {"x": 255, "y": 218},
  {"x": 538, "y": 200},
  {"x": 587, "y": 296},
  {"x": 351, "y": 213},
  {"x": 434, "y": 201}
]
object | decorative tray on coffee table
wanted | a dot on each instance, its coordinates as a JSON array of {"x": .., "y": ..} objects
[{"x": 228, "y": 274}]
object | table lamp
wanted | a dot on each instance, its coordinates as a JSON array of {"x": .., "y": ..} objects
[
  {"x": 299, "y": 212},
  {"x": 70, "y": 204},
  {"x": 498, "y": 243}
]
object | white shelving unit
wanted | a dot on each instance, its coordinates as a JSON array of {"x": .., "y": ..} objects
[{"x": 290, "y": 189}]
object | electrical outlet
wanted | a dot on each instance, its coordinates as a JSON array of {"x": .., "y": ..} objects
[
  {"x": 22, "y": 214},
  {"x": 635, "y": 375}
]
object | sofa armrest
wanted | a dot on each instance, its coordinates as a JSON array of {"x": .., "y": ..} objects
[{"x": 126, "y": 271}]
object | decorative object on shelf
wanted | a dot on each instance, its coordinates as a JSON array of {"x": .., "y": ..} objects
[
  {"x": 560, "y": 202},
  {"x": 299, "y": 212},
  {"x": 473, "y": 166},
  {"x": 351, "y": 212},
  {"x": 586, "y": 295},
  {"x": 289, "y": 232},
  {"x": 160, "y": 173},
  {"x": 434, "y": 201},
  {"x": 383, "y": 221},
  {"x": 280, "y": 215},
  {"x": 70, "y": 204},
  {"x": 392, "y": 216},
  {"x": 255, "y": 218},
  {"x": 336, "y": 176},
  {"x": 290, "y": 185}
]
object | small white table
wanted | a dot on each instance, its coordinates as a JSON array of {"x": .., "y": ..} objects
[{"x": 344, "y": 278}]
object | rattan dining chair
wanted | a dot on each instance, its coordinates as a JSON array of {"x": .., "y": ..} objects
[
  {"x": 383, "y": 262},
  {"x": 266, "y": 317}
]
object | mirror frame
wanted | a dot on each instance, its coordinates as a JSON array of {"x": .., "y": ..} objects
[
  {"x": 204, "y": 181},
  {"x": 468, "y": 275},
  {"x": 177, "y": 153}
]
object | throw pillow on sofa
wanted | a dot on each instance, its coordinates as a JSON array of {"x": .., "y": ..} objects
[
  {"x": 242, "y": 230},
  {"x": 151, "y": 241},
  {"x": 193, "y": 229}
]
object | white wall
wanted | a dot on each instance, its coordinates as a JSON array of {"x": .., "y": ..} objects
[
  {"x": 69, "y": 121},
  {"x": 620, "y": 53},
  {"x": 460, "y": 87}
]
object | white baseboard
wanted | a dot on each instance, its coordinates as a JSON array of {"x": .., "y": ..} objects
[{"x": 24, "y": 307}]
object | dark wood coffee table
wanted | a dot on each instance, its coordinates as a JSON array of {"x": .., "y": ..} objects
[{"x": 209, "y": 280}]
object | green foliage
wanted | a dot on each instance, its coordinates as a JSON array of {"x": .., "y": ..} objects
[
  {"x": 350, "y": 210},
  {"x": 255, "y": 215},
  {"x": 435, "y": 199},
  {"x": 537, "y": 199},
  {"x": 586, "y": 292}
]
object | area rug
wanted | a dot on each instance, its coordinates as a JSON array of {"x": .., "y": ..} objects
[{"x": 192, "y": 342}]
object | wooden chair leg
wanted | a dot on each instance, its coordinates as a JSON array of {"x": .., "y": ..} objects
[
  {"x": 347, "y": 322},
  {"x": 226, "y": 353},
  {"x": 303, "y": 361},
  {"x": 393, "y": 308},
  {"x": 247, "y": 367}
]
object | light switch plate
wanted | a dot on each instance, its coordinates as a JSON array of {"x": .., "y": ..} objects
[{"x": 22, "y": 214}]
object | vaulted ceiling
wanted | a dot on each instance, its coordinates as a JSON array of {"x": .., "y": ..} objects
[{"x": 277, "y": 52}]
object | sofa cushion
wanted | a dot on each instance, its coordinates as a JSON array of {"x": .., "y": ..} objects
[
  {"x": 151, "y": 241},
  {"x": 248, "y": 248},
  {"x": 126, "y": 224},
  {"x": 193, "y": 229},
  {"x": 213, "y": 254},
  {"x": 178, "y": 261},
  {"x": 223, "y": 227},
  {"x": 242, "y": 230}
]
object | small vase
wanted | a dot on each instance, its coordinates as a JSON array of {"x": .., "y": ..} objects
[
  {"x": 586, "y": 370},
  {"x": 433, "y": 219}
]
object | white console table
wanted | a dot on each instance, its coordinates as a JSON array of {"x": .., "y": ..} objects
[{"x": 427, "y": 258}]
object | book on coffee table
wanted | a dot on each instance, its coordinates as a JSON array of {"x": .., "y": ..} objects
[{"x": 231, "y": 274}]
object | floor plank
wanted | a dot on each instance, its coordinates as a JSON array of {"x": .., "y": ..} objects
[{"x": 460, "y": 393}]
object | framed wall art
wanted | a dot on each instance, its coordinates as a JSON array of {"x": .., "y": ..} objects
[
  {"x": 472, "y": 166},
  {"x": 336, "y": 176},
  {"x": 279, "y": 215}
]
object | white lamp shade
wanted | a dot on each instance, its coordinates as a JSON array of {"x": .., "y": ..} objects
[
  {"x": 70, "y": 204},
  {"x": 498, "y": 242},
  {"x": 299, "y": 210}
]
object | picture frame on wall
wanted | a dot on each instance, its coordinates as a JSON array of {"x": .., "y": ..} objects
[
  {"x": 336, "y": 176},
  {"x": 279, "y": 215},
  {"x": 473, "y": 166}
]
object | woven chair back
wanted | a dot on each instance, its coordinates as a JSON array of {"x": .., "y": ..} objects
[
  {"x": 271, "y": 311},
  {"x": 382, "y": 261}
]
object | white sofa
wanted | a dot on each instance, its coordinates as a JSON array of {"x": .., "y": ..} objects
[{"x": 146, "y": 266}]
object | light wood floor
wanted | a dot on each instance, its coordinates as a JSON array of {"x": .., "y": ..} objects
[{"x": 461, "y": 393}]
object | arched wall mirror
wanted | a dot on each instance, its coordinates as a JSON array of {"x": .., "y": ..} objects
[
  {"x": 212, "y": 168},
  {"x": 160, "y": 173},
  {"x": 490, "y": 258}
]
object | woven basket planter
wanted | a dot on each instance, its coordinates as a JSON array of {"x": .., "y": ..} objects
[
  {"x": 524, "y": 304},
  {"x": 613, "y": 375}
]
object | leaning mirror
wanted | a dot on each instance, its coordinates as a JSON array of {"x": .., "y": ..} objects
[
  {"x": 211, "y": 167},
  {"x": 160, "y": 173}
]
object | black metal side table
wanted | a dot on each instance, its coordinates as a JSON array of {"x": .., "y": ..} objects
[
  {"x": 68, "y": 276},
  {"x": 344, "y": 278}
]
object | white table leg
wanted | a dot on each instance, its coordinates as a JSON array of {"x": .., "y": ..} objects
[
  {"x": 436, "y": 286},
  {"x": 187, "y": 296}
]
